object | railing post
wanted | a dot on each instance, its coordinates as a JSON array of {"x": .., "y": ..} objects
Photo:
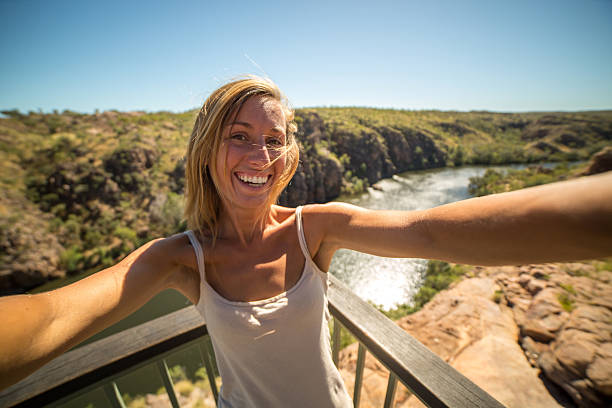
[
  {"x": 336, "y": 341},
  {"x": 208, "y": 354},
  {"x": 112, "y": 393},
  {"x": 359, "y": 375},
  {"x": 391, "y": 388},
  {"x": 165, "y": 375}
]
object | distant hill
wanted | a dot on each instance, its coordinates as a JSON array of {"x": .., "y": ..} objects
[{"x": 80, "y": 191}]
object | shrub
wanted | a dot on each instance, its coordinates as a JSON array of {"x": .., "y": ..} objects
[
  {"x": 566, "y": 302},
  {"x": 569, "y": 288},
  {"x": 399, "y": 312},
  {"x": 497, "y": 296},
  {"x": 184, "y": 387},
  {"x": 177, "y": 373},
  {"x": 201, "y": 373},
  {"x": 126, "y": 234},
  {"x": 71, "y": 259}
]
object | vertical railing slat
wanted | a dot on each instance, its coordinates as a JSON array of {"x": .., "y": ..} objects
[
  {"x": 112, "y": 393},
  {"x": 336, "y": 341},
  {"x": 359, "y": 375},
  {"x": 165, "y": 375},
  {"x": 391, "y": 388},
  {"x": 207, "y": 353}
]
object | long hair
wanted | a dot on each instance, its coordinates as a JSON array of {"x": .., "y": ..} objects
[{"x": 203, "y": 202}]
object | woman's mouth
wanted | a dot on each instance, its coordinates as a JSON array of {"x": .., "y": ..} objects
[{"x": 253, "y": 181}]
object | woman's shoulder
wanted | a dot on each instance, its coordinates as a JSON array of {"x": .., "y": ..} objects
[
  {"x": 331, "y": 208},
  {"x": 177, "y": 248},
  {"x": 329, "y": 214},
  {"x": 319, "y": 218}
]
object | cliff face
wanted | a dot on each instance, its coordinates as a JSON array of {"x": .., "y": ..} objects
[
  {"x": 335, "y": 160},
  {"x": 531, "y": 336}
]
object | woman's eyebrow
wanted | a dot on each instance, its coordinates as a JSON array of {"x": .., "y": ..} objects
[
  {"x": 275, "y": 129},
  {"x": 237, "y": 122},
  {"x": 278, "y": 129}
]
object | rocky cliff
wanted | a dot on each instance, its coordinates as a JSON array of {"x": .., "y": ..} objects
[{"x": 531, "y": 336}]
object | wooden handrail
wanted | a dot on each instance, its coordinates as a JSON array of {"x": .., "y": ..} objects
[
  {"x": 431, "y": 379},
  {"x": 87, "y": 365},
  {"x": 426, "y": 375}
]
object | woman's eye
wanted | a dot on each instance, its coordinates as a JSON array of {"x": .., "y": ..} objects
[
  {"x": 274, "y": 142},
  {"x": 238, "y": 136}
]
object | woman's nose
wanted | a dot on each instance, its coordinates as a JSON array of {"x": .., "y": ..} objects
[{"x": 259, "y": 153}]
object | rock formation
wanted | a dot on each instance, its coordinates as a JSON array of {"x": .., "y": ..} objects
[
  {"x": 600, "y": 162},
  {"x": 522, "y": 334},
  {"x": 29, "y": 253}
]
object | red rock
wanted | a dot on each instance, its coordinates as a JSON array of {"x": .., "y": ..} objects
[
  {"x": 535, "y": 286},
  {"x": 480, "y": 338},
  {"x": 600, "y": 373},
  {"x": 575, "y": 355}
]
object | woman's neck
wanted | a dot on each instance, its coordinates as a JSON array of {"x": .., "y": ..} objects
[{"x": 244, "y": 224}]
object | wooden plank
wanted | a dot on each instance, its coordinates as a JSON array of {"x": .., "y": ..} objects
[
  {"x": 112, "y": 393},
  {"x": 162, "y": 367},
  {"x": 336, "y": 341},
  {"x": 91, "y": 363},
  {"x": 391, "y": 388},
  {"x": 431, "y": 379},
  {"x": 361, "y": 355},
  {"x": 207, "y": 353}
]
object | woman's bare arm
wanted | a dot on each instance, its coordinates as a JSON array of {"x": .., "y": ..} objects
[
  {"x": 564, "y": 221},
  {"x": 37, "y": 328}
]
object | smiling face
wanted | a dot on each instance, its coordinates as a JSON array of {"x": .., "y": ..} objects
[{"x": 251, "y": 157}]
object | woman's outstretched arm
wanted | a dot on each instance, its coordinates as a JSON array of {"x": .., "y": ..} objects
[
  {"x": 37, "y": 328},
  {"x": 563, "y": 221}
]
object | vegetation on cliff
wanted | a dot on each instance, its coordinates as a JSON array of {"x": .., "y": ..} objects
[
  {"x": 493, "y": 181},
  {"x": 80, "y": 191}
]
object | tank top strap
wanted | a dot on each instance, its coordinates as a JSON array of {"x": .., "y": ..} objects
[
  {"x": 301, "y": 237},
  {"x": 323, "y": 276},
  {"x": 197, "y": 248}
]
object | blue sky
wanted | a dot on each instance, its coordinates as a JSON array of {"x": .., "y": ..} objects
[{"x": 448, "y": 55}]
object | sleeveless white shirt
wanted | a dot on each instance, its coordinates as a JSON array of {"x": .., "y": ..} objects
[{"x": 274, "y": 352}]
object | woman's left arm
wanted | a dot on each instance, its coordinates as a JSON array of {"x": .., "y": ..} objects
[{"x": 562, "y": 221}]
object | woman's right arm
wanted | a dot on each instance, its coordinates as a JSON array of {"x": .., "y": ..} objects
[
  {"x": 34, "y": 329},
  {"x": 558, "y": 222}
]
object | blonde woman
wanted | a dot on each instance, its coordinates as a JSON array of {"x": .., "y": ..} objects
[{"x": 257, "y": 272}]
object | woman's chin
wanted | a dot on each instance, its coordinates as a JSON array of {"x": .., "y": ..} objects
[{"x": 249, "y": 197}]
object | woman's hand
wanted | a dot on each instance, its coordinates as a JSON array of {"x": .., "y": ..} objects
[
  {"x": 564, "y": 221},
  {"x": 37, "y": 328}
]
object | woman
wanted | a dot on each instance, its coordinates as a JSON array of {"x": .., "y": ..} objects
[{"x": 257, "y": 271}]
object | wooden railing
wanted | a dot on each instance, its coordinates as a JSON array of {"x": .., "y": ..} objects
[{"x": 432, "y": 380}]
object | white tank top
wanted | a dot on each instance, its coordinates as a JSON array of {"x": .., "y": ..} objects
[{"x": 274, "y": 352}]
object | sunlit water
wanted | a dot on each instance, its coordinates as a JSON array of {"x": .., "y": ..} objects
[{"x": 389, "y": 282}]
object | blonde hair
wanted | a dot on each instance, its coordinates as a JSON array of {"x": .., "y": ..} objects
[{"x": 203, "y": 202}]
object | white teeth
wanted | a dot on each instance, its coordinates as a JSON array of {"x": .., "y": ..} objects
[{"x": 253, "y": 180}]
